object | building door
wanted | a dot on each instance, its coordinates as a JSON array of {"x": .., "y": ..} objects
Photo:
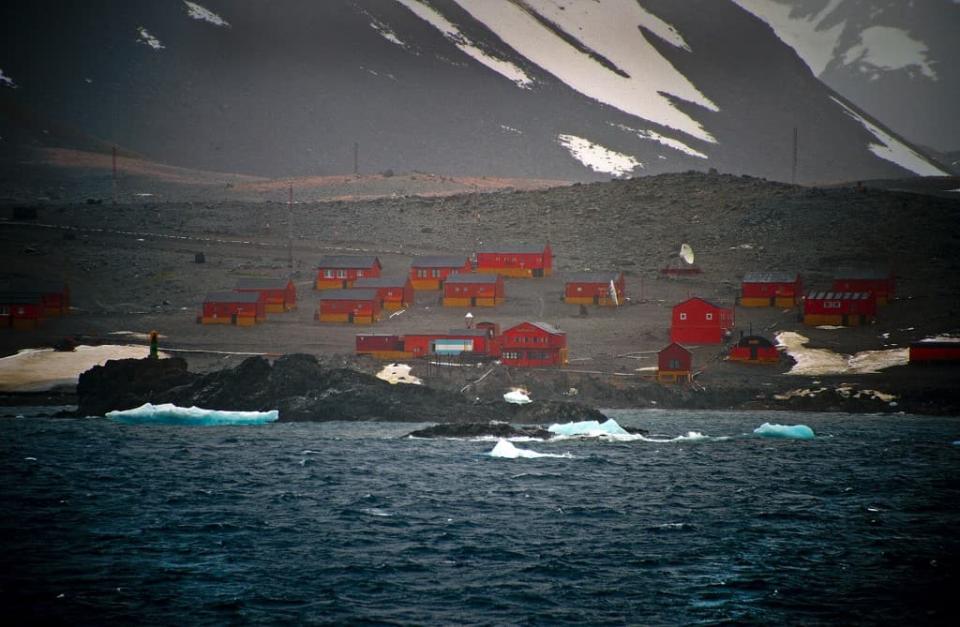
[
  {"x": 754, "y": 352},
  {"x": 596, "y": 300},
  {"x": 233, "y": 318},
  {"x": 350, "y": 317},
  {"x": 538, "y": 272},
  {"x": 473, "y": 301}
]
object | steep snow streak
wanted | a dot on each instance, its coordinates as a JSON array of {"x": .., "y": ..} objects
[
  {"x": 611, "y": 30},
  {"x": 666, "y": 141},
  {"x": 892, "y": 149},
  {"x": 598, "y": 158},
  {"x": 6, "y": 81},
  {"x": 204, "y": 14},
  {"x": 149, "y": 40},
  {"x": 386, "y": 33},
  {"x": 451, "y": 32},
  {"x": 806, "y": 34},
  {"x": 887, "y": 48}
]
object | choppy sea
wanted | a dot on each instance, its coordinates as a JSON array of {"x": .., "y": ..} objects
[{"x": 351, "y": 523}]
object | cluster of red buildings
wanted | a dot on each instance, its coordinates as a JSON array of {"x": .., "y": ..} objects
[
  {"x": 24, "y": 303},
  {"x": 249, "y": 302}
]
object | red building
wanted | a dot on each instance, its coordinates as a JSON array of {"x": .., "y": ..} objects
[
  {"x": 849, "y": 309},
  {"x": 533, "y": 344},
  {"x": 933, "y": 351},
  {"x": 340, "y": 271},
  {"x": 54, "y": 295},
  {"x": 698, "y": 321},
  {"x": 522, "y": 260},
  {"x": 21, "y": 310},
  {"x": 429, "y": 273},
  {"x": 473, "y": 290},
  {"x": 754, "y": 349},
  {"x": 394, "y": 292},
  {"x": 280, "y": 295},
  {"x": 770, "y": 289},
  {"x": 593, "y": 288},
  {"x": 381, "y": 346},
  {"x": 881, "y": 283},
  {"x": 674, "y": 363},
  {"x": 240, "y": 308},
  {"x": 353, "y": 306}
]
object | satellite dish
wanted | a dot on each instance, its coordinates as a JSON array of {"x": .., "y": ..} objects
[
  {"x": 686, "y": 253},
  {"x": 613, "y": 293}
]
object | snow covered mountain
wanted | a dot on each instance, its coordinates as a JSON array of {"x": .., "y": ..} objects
[
  {"x": 565, "y": 89},
  {"x": 896, "y": 59}
]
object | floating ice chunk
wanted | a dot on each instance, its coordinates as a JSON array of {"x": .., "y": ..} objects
[
  {"x": 6, "y": 81},
  {"x": 792, "y": 432},
  {"x": 204, "y": 14},
  {"x": 506, "y": 449},
  {"x": 149, "y": 40},
  {"x": 517, "y": 396},
  {"x": 589, "y": 428},
  {"x": 170, "y": 414},
  {"x": 689, "y": 436}
]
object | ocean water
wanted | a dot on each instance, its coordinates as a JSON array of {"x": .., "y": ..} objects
[{"x": 350, "y": 523}]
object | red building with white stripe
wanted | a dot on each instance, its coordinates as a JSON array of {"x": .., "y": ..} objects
[
  {"x": 879, "y": 282},
  {"x": 847, "y": 309}
]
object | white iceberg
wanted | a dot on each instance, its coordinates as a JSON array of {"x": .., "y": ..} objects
[
  {"x": 792, "y": 432},
  {"x": 170, "y": 414},
  {"x": 506, "y": 449},
  {"x": 588, "y": 428}
]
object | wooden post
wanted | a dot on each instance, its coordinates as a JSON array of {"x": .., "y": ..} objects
[{"x": 113, "y": 185}]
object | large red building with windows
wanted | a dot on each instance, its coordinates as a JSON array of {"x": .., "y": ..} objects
[
  {"x": 520, "y": 260},
  {"x": 848, "y": 309},
  {"x": 240, "y": 308},
  {"x": 280, "y": 295},
  {"x": 340, "y": 271},
  {"x": 698, "y": 321},
  {"x": 880, "y": 283},
  {"x": 429, "y": 273},
  {"x": 770, "y": 289},
  {"x": 532, "y": 345},
  {"x": 394, "y": 292},
  {"x": 353, "y": 306}
]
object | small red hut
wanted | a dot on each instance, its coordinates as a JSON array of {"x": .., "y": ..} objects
[
  {"x": 429, "y": 273},
  {"x": 240, "y": 308},
  {"x": 698, "y": 321},
  {"x": 473, "y": 290},
  {"x": 770, "y": 289},
  {"x": 674, "y": 363},
  {"x": 754, "y": 349},
  {"x": 21, "y": 310},
  {"x": 381, "y": 346},
  {"x": 935, "y": 351},
  {"x": 849, "y": 309},
  {"x": 533, "y": 344},
  {"x": 395, "y": 293},
  {"x": 280, "y": 295},
  {"x": 879, "y": 282},
  {"x": 594, "y": 288},
  {"x": 521, "y": 260},
  {"x": 353, "y": 306},
  {"x": 340, "y": 271},
  {"x": 54, "y": 295}
]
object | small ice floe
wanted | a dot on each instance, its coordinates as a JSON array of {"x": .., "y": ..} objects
[
  {"x": 517, "y": 396},
  {"x": 791, "y": 432},
  {"x": 609, "y": 428},
  {"x": 204, "y": 14},
  {"x": 149, "y": 40},
  {"x": 29, "y": 459},
  {"x": 689, "y": 436},
  {"x": 170, "y": 414},
  {"x": 506, "y": 449},
  {"x": 6, "y": 81},
  {"x": 830, "y": 327},
  {"x": 398, "y": 373}
]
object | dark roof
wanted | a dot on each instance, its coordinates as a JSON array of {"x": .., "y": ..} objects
[
  {"x": 471, "y": 278},
  {"x": 439, "y": 261},
  {"x": 936, "y": 343},
  {"x": 513, "y": 248},
  {"x": 543, "y": 326},
  {"x": 469, "y": 332},
  {"x": 838, "y": 295},
  {"x": 348, "y": 294},
  {"x": 40, "y": 286},
  {"x": 746, "y": 340},
  {"x": 11, "y": 297},
  {"x": 347, "y": 261},
  {"x": 381, "y": 281},
  {"x": 232, "y": 297},
  {"x": 711, "y": 303},
  {"x": 262, "y": 283},
  {"x": 870, "y": 274},
  {"x": 770, "y": 277},
  {"x": 593, "y": 277}
]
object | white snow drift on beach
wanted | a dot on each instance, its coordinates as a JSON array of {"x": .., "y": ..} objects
[
  {"x": 204, "y": 14},
  {"x": 506, "y": 449},
  {"x": 170, "y": 414},
  {"x": 597, "y": 157},
  {"x": 398, "y": 373},
  {"x": 822, "y": 361},
  {"x": 43, "y": 369},
  {"x": 149, "y": 40}
]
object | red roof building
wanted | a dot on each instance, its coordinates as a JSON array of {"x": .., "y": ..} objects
[
  {"x": 340, "y": 271},
  {"x": 674, "y": 364},
  {"x": 754, "y": 349},
  {"x": 594, "y": 288},
  {"x": 521, "y": 260},
  {"x": 473, "y": 290},
  {"x": 429, "y": 273},
  {"x": 21, "y": 310},
  {"x": 698, "y": 321},
  {"x": 280, "y": 295},
  {"x": 381, "y": 346},
  {"x": 54, "y": 295},
  {"x": 933, "y": 351},
  {"x": 771, "y": 289},
  {"x": 881, "y": 283},
  {"x": 239, "y": 308},
  {"x": 395, "y": 293},
  {"x": 353, "y": 306},
  {"x": 533, "y": 345},
  {"x": 849, "y": 309}
]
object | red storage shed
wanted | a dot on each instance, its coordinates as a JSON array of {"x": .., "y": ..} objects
[
  {"x": 381, "y": 346},
  {"x": 353, "y": 306},
  {"x": 240, "y": 308},
  {"x": 473, "y": 290},
  {"x": 20, "y": 310},
  {"x": 880, "y": 282},
  {"x": 674, "y": 363},
  {"x": 754, "y": 349},
  {"x": 698, "y": 321},
  {"x": 394, "y": 292},
  {"x": 594, "y": 288},
  {"x": 520, "y": 260},
  {"x": 770, "y": 289},
  {"x": 280, "y": 295},
  {"x": 533, "y": 344},
  {"x": 849, "y": 309},
  {"x": 935, "y": 351},
  {"x": 429, "y": 273},
  {"x": 340, "y": 271}
]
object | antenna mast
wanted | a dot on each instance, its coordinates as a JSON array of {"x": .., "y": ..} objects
[{"x": 290, "y": 227}]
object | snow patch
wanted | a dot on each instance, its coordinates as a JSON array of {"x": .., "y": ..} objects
[
  {"x": 204, "y": 14},
  {"x": 517, "y": 396},
  {"x": 461, "y": 41},
  {"x": 893, "y": 150},
  {"x": 147, "y": 39},
  {"x": 43, "y": 369},
  {"x": 506, "y": 449},
  {"x": 597, "y": 157},
  {"x": 6, "y": 81},
  {"x": 398, "y": 373},
  {"x": 170, "y": 414},
  {"x": 819, "y": 361},
  {"x": 510, "y": 129},
  {"x": 792, "y": 432},
  {"x": 385, "y": 31},
  {"x": 666, "y": 141},
  {"x": 888, "y": 48}
]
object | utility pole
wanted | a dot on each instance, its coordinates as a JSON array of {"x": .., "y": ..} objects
[
  {"x": 796, "y": 152},
  {"x": 113, "y": 184},
  {"x": 290, "y": 227},
  {"x": 356, "y": 158}
]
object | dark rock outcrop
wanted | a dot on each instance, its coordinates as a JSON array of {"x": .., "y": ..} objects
[
  {"x": 495, "y": 428},
  {"x": 128, "y": 383}
]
